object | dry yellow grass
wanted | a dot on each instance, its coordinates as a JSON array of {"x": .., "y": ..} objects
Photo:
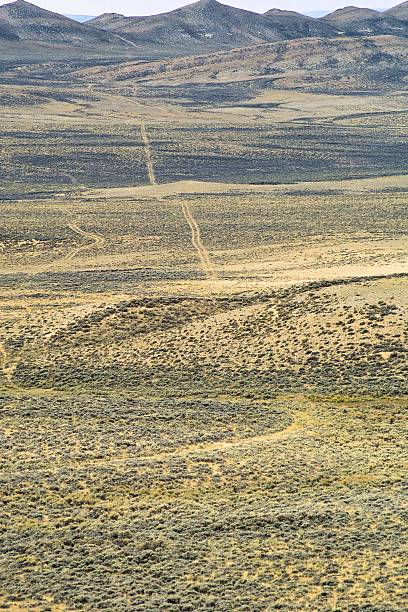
[{"x": 203, "y": 382}]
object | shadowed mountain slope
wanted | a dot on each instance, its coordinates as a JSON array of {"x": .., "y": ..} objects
[
  {"x": 206, "y": 26},
  {"x": 400, "y": 11},
  {"x": 7, "y": 32},
  {"x": 295, "y": 25},
  {"x": 30, "y": 22},
  {"x": 213, "y": 25},
  {"x": 366, "y": 22}
]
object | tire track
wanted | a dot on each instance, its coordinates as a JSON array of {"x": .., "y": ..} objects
[
  {"x": 197, "y": 242},
  {"x": 186, "y": 208},
  {"x": 301, "y": 424},
  {"x": 8, "y": 368},
  {"x": 97, "y": 241},
  {"x": 126, "y": 40},
  {"x": 148, "y": 154},
  {"x": 298, "y": 425}
]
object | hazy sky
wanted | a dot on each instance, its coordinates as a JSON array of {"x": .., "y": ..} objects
[{"x": 141, "y": 7}]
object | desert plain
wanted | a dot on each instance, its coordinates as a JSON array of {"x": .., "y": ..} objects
[{"x": 203, "y": 340}]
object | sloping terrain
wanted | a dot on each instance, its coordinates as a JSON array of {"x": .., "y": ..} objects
[
  {"x": 213, "y": 25},
  {"x": 203, "y": 331},
  {"x": 400, "y": 11},
  {"x": 339, "y": 64},
  {"x": 206, "y": 26},
  {"x": 111, "y": 21},
  {"x": 366, "y": 22},
  {"x": 7, "y": 32},
  {"x": 33, "y": 23},
  {"x": 347, "y": 338},
  {"x": 295, "y": 25}
]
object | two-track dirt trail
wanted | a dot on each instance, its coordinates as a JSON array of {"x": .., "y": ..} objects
[
  {"x": 96, "y": 241},
  {"x": 197, "y": 242},
  {"x": 148, "y": 153},
  {"x": 186, "y": 208},
  {"x": 8, "y": 366}
]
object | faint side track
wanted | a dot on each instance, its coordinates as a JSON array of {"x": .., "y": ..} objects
[
  {"x": 96, "y": 241},
  {"x": 197, "y": 242},
  {"x": 148, "y": 153},
  {"x": 7, "y": 367},
  {"x": 301, "y": 424}
]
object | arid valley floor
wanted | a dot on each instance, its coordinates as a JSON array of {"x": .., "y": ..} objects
[{"x": 204, "y": 340}]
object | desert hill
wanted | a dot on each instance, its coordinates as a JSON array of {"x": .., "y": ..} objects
[
  {"x": 30, "y": 22},
  {"x": 215, "y": 25},
  {"x": 110, "y": 21},
  {"x": 318, "y": 337},
  {"x": 366, "y": 22},
  {"x": 342, "y": 63},
  {"x": 295, "y": 25},
  {"x": 350, "y": 14},
  {"x": 400, "y": 11},
  {"x": 206, "y": 26}
]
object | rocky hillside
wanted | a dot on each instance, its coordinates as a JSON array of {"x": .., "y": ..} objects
[
  {"x": 206, "y": 26},
  {"x": 7, "y": 32},
  {"x": 295, "y": 25},
  {"x": 26, "y": 21},
  {"x": 353, "y": 20},
  {"x": 210, "y": 24},
  {"x": 400, "y": 11},
  {"x": 340, "y": 64},
  {"x": 111, "y": 21}
]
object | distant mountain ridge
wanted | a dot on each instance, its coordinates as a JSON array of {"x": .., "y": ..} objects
[
  {"x": 204, "y": 26},
  {"x": 400, "y": 11},
  {"x": 354, "y": 20},
  {"x": 111, "y": 21},
  {"x": 215, "y": 24},
  {"x": 298, "y": 25},
  {"x": 30, "y": 22}
]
